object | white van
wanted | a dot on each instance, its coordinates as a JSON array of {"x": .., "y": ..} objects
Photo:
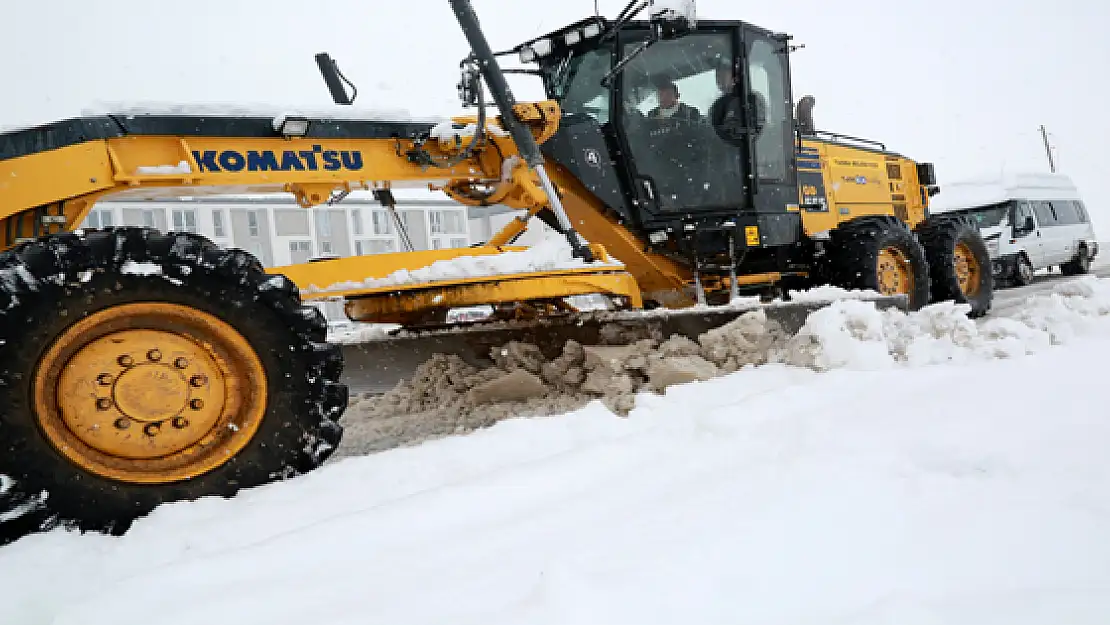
[{"x": 1029, "y": 221}]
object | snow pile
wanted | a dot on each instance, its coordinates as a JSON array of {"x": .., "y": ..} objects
[
  {"x": 856, "y": 335},
  {"x": 776, "y": 495},
  {"x": 446, "y": 396},
  {"x": 552, "y": 254}
]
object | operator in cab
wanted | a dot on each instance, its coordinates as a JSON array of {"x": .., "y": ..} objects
[
  {"x": 669, "y": 105},
  {"x": 727, "y": 112}
]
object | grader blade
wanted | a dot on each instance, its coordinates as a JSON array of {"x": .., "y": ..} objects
[{"x": 379, "y": 364}]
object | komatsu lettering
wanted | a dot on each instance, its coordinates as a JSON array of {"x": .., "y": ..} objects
[{"x": 315, "y": 159}]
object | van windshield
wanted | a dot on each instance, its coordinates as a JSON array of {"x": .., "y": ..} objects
[{"x": 989, "y": 216}]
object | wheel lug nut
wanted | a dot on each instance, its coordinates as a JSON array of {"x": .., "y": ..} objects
[
  {"x": 152, "y": 429},
  {"x": 123, "y": 423},
  {"x": 196, "y": 404},
  {"x": 125, "y": 361},
  {"x": 103, "y": 403},
  {"x": 104, "y": 379},
  {"x": 181, "y": 363},
  {"x": 180, "y": 422},
  {"x": 198, "y": 381},
  {"x": 154, "y": 355}
]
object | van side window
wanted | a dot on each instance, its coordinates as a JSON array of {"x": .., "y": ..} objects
[
  {"x": 1045, "y": 216},
  {"x": 1023, "y": 212},
  {"x": 1081, "y": 211},
  {"x": 1065, "y": 212}
]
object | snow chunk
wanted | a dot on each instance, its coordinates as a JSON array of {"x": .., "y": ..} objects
[
  {"x": 181, "y": 167},
  {"x": 454, "y": 131},
  {"x": 141, "y": 269},
  {"x": 553, "y": 254}
]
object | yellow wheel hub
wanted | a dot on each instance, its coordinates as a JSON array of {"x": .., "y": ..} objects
[
  {"x": 894, "y": 272},
  {"x": 150, "y": 393},
  {"x": 967, "y": 270}
]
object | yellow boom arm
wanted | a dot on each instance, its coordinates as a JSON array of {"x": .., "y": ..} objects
[{"x": 53, "y": 190}]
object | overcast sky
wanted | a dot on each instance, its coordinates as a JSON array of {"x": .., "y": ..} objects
[{"x": 964, "y": 84}]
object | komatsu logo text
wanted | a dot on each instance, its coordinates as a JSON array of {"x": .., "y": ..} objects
[{"x": 315, "y": 159}]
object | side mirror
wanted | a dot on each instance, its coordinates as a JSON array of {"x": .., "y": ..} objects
[{"x": 1028, "y": 225}]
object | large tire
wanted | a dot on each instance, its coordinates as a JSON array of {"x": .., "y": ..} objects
[
  {"x": 271, "y": 396},
  {"x": 878, "y": 253},
  {"x": 959, "y": 263},
  {"x": 1022, "y": 274},
  {"x": 1079, "y": 265}
]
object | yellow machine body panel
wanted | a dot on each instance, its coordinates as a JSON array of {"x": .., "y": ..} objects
[{"x": 838, "y": 183}]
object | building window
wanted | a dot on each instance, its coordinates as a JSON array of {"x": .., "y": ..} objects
[
  {"x": 217, "y": 222},
  {"x": 99, "y": 218},
  {"x": 185, "y": 220},
  {"x": 447, "y": 222},
  {"x": 375, "y": 246},
  {"x": 148, "y": 218},
  {"x": 258, "y": 251},
  {"x": 300, "y": 251},
  {"x": 325, "y": 247},
  {"x": 437, "y": 244},
  {"x": 458, "y": 242},
  {"x": 323, "y": 223},
  {"x": 252, "y": 223},
  {"x": 356, "y": 221},
  {"x": 383, "y": 226}
]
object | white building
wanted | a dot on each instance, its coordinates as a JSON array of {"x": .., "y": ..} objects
[{"x": 280, "y": 232}]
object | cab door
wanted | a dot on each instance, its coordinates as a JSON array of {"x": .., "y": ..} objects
[
  {"x": 771, "y": 117},
  {"x": 677, "y": 164},
  {"x": 1027, "y": 234}
]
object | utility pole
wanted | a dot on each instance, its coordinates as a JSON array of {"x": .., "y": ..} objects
[{"x": 1048, "y": 150}]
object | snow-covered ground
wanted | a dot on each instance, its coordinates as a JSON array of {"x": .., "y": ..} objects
[{"x": 975, "y": 489}]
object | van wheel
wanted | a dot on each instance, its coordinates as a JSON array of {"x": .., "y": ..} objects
[
  {"x": 1081, "y": 264},
  {"x": 1023, "y": 271}
]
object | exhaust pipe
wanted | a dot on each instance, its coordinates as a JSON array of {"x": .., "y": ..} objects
[{"x": 804, "y": 115}]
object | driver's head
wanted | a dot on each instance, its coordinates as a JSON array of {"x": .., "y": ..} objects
[
  {"x": 668, "y": 94},
  {"x": 725, "y": 78}
]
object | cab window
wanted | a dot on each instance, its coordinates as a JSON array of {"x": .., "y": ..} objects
[
  {"x": 577, "y": 84},
  {"x": 768, "y": 83},
  {"x": 667, "y": 93}
]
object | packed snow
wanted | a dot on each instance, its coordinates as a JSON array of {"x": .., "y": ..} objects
[
  {"x": 551, "y": 254},
  {"x": 929, "y": 471}
]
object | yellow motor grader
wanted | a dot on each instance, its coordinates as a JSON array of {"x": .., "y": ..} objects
[{"x": 139, "y": 367}]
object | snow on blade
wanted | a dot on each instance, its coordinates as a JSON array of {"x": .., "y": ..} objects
[{"x": 552, "y": 254}]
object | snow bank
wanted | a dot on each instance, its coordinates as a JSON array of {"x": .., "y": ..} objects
[
  {"x": 552, "y": 254},
  {"x": 854, "y": 334},
  {"x": 446, "y": 396},
  {"x": 776, "y": 495}
]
